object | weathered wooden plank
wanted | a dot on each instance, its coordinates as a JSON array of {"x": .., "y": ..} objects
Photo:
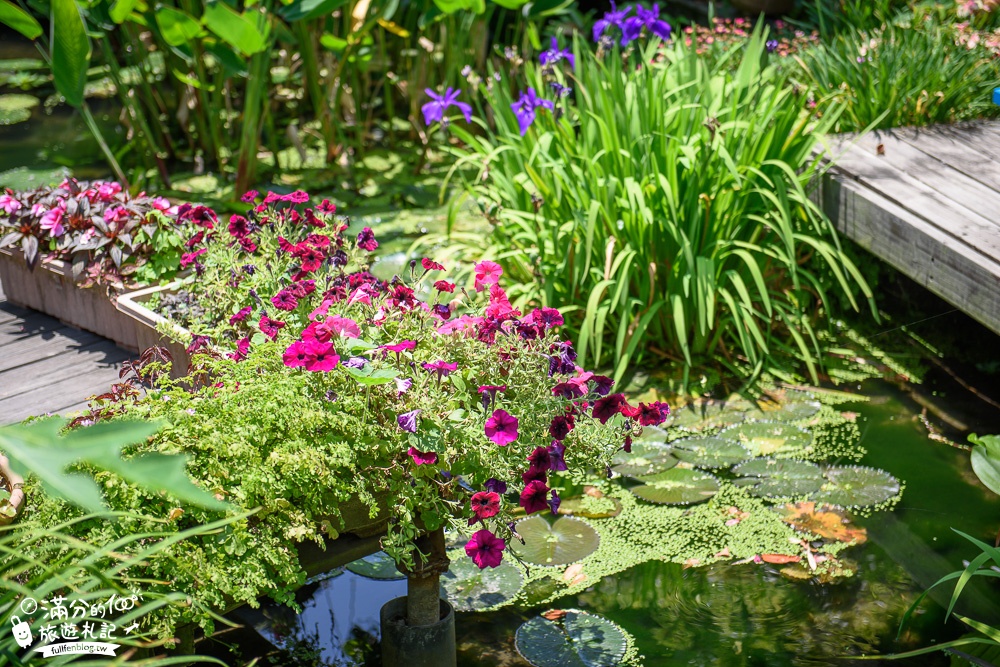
[
  {"x": 100, "y": 355},
  {"x": 917, "y": 166},
  {"x": 23, "y": 351},
  {"x": 31, "y": 324},
  {"x": 978, "y": 233},
  {"x": 955, "y": 149},
  {"x": 58, "y": 396},
  {"x": 940, "y": 261}
]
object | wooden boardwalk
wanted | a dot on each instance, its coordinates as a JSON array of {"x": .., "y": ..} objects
[
  {"x": 49, "y": 367},
  {"x": 927, "y": 201}
]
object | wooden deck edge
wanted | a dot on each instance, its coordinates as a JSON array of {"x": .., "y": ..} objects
[{"x": 916, "y": 248}]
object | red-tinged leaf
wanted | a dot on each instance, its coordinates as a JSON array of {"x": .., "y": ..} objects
[
  {"x": 554, "y": 614},
  {"x": 779, "y": 559}
]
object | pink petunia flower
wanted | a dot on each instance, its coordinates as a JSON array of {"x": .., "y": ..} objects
[
  {"x": 444, "y": 286},
  {"x": 298, "y": 354},
  {"x": 431, "y": 265},
  {"x": 487, "y": 273},
  {"x": 501, "y": 428},
  {"x": 52, "y": 221},
  {"x": 485, "y": 549},
  {"x": 344, "y": 327},
  {"x": 270, "y": 327},
  {"x": 422, "y": 458},
  {"x": 323, "y": 357},
  {"x": 242, "y": 349},
  {"x": 240, "y": 315},
  {"x": 484, "y": 505}
]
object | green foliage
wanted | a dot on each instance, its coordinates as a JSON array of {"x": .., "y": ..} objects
[
  {"x": 666, "y": 210},
  {"x": 39, "y": 449},
  {"x": 70, "y": 51},
  {"x": 900, "y": 75},
  {"x": 20, "y": 20},
  {"x": 42, "y": 561},
  {"x": 565, "y": 541},
  {"x": 571, "y": 638},
  {"x": 986, "y": 460}
]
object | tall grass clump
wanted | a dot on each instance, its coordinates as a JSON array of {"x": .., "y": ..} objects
[
  {"x": 901, "y": 76},
  {"x": 666, "y": 200}
]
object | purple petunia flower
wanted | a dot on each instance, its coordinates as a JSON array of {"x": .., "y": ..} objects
[
  {"x": 526, "y": 105},
  {"x": 434, "y": 110},
  {"x": 554, "y": 502},
  {"x": 285, "y": 300},
  {"x": 557, "y": 451},
  {"x": 356, "y": 362},
  {"x": 408, "y": 421},
  {"x": 554, "y": 55},
  {"x": 366, "y": 240}
]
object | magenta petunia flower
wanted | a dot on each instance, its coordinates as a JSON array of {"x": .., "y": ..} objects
[
  {"x": 485, "y": 549},
  {"x": 431, "y": 265},
  {"x": 249, "y": 196},
  {"x": 535, "y": 473},
  {"x": 285, "y": 300},
  {"x": 366, "y": 240},
  {"x": 607, "y": 407},
  {"x": 297, "y": 355},
  {"x": 422, "y": 458},
  {"x": 501, "y": 428},
  {"x": 189, "y": 258},
  {"x": 534, "y": 496},
  {"x": 408, "y": 421},
  {"x": 569, "y": 390},
  {"x": 546, "y": 317},
  {"x": 242, "y": 349},
  {"x": 653, "y": 414},
  {"x": 441, "y": 367},
  {"x": 484, "y": 505},
  {"x": 238, "y": 226},
  {"x": 270, "y": 327},
  {"x": 324, "y": 357},
  {"x": 241, "y": 315},
  {"x": 487, "y": 273},
  {"x": 539, "y": 458},
  {"x": 444, "y": 286},
  {"x": 489, "y": 393}
]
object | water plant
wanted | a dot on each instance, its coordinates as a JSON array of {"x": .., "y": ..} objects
[{"x": 664, "y": 202}]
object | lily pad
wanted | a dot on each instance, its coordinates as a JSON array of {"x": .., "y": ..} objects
[
  {"x": 679, "y": 486},
  {"x": 856, "y": 486},
  {"x": 779, "y": 478},
  {"x": 712, "y": 414},
  {"x": 566, "y": 540},
  {"x": 590, "y": 507},
  {"x": 709, "y": 452},
  {"x": 377, "y": 566},
  {"x": 765, "y": 438},
  {"x": 470, "y": 589},
  {"x": 571, "y": 638},
  {"x": 645, "y": 459},
  {"x": 16, "y": 108},
  {"x": 793, "y": 411}
]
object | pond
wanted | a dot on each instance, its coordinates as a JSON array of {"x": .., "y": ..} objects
[{"x": 740, "y": 614}]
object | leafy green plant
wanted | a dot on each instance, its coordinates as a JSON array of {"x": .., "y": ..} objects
[
  {"x": 900, "y": 75},
  {"x": 667, "y": 208},
  {"x": 986, "y": 460}
]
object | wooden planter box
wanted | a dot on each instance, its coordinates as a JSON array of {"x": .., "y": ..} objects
[
  {"x": 146, "y": 326},
  {"x": 50, "y": 288}
]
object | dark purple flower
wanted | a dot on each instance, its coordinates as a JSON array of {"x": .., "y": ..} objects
[
  {"x": 602, "y": 384},
  {"x": 535, "y": 473},
  {"x": 434, "y": 110},
  {"x": 238, "y": 226},
  {"x": 442, "y": 311},
  {"x": 568, "y": 390},
  {"x": 627, "y": 445},
  {"x": 533, "y": 498},
  {"x": 408, "y": 421},
  {"x": 197, "y": 343},
  {"x": 241, "y": 315},
  {"x": 561, "y": 426},
  {"x": 607, "y": 407},
  {"x": 554, "y": 502},
  {"x": 539, "y": 458},
  {"x": 557, "y": 452},
  {"x": 366, "y": 240},
  {"x": 526, "y": 105},
  {"x": 771, "y": 45},
  {"x": 554, "y": 55},
  {"x": 653, "y": 414},
  {"x": 496, "y": 486}
]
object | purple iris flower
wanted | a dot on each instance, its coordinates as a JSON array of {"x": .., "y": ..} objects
[
  {"x": 554, "y": 55},
  {"x": 648, "y": 19},
  {"x": 524, "y": 108},
  {"x": 612, "y": 18},
  {"x": 560, "y": 90},
  {"x": 434, "y": 110}
]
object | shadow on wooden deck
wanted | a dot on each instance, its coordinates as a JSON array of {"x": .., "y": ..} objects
[{"x": 49, "y": 367}]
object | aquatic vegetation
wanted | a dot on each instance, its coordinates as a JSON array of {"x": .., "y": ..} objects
[
  {"x": 677, "y": 486},
  {"x": 16, "y": 109},
  {"x": 856, "y": 487},
  {"x": 986, "y": 460},
  {"x": 379, "y": 565},
  {"x": 470, "y": 588},
  {"x": 645, "y": 459},
  {"x": 766, "y": 438},
  {"x": 709, "y": 452},
  {"x": 574, "y": 638},
  {"x": 779, "y": 478},
  {"x": 565, "y": 541}
]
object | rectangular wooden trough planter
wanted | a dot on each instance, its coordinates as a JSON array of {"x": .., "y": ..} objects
[{"x": 51, "y": 289}]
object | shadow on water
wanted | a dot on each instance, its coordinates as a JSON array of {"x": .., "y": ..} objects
[{"x": 750, "y": 615}]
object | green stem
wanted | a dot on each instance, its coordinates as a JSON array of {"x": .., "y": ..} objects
[{"x": 96, "y": 131}]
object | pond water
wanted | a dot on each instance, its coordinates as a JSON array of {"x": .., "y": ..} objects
[{"x": 741, "y": 614}]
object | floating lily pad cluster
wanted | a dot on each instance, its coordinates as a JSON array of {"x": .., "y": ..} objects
[
  {"x": 769, "y": 457},
  {"x": 571, "y": 638}
]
